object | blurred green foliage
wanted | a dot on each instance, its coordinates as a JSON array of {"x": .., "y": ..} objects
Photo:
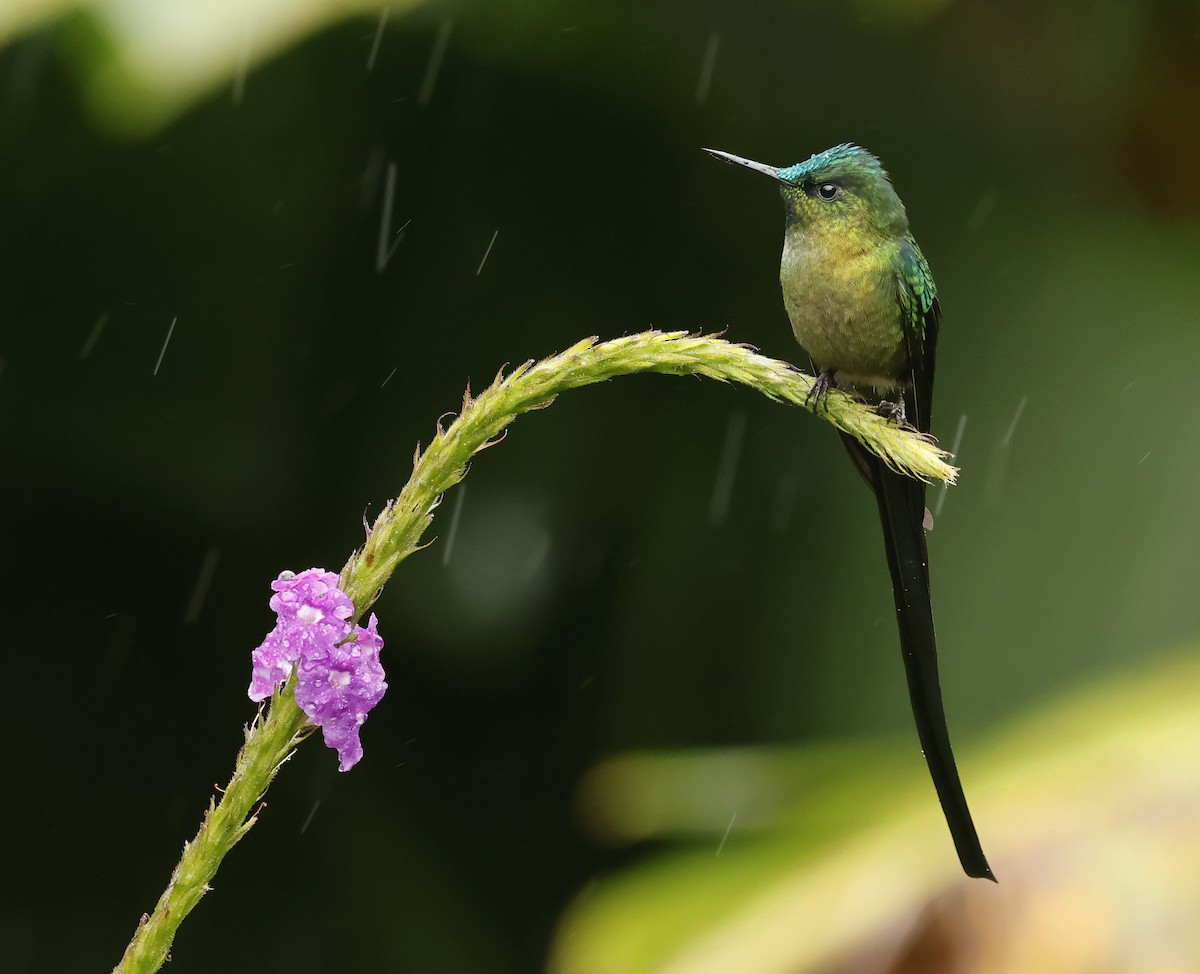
[
  {"x": 596, "y": 600},
  {"x": 1093, "y": 802}
]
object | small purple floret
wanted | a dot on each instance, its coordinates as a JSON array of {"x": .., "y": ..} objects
[
  {"x": 339, "y": 676},
  {"x": 338, "y": 685}
]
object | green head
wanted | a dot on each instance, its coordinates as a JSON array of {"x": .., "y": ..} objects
[{"x": 844, "y": 186}]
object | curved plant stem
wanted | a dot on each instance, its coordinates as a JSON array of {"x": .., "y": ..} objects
[
  {"x": 397, "y": 532},
  {"x": 268, "y": 744}
]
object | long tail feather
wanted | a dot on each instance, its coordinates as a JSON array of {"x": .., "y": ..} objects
[{"x": 901, "y": 512}]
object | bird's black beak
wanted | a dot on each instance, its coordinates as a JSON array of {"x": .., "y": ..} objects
[{"x": 761, "y": 167}]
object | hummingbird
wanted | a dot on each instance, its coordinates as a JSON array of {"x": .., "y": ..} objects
[{"x": 863, "y": 304}]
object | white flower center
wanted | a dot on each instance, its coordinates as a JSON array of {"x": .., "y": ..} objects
[
  {"x": 310, "y": 615},
  {"x": 338, "y": 679}
]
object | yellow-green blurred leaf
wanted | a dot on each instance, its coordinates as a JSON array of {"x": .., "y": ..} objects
[
  {"x": 143, "y": 62},
  {"x": 1089, "y": 811}
]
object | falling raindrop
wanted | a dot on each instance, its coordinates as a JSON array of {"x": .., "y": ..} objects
[
  {"x": 483, "y": 261},
  {"x": 387, "y": 247},
  {"x": 308, "y": 820},
  {"x": 958, "y": 435},
  {"x": 452, "y": 534},
  {"x": 383, "y": 16},
  {"x": 999, "y": 468},
  {"x": 208, "y": 568},
  {"x": 728, "y": 829},
  {"x": 435, "y": 62},
  {"x": 735, "y": 432},
  {"x": 1012, "y": 427},
  {"x": 94, "y": 335},
  {"x": 166, "y": 342},
  {"x": 706, "y": 68},
  {"x": 241, "y": 69},
  {"x": 369, "y": 181}
]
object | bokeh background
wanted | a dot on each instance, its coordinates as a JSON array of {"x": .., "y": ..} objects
[{"x": 646, "y": 710}]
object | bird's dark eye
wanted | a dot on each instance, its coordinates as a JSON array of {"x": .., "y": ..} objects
[{"x": 829, "y": 191}]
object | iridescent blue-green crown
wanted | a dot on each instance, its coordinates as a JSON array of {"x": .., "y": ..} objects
[{"x": 838, "y": 163}]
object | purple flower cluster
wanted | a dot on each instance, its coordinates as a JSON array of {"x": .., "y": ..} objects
[{"x": 338, "y": 674}]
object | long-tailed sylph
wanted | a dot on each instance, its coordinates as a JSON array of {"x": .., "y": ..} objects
[{"x": 864, "y": 306}]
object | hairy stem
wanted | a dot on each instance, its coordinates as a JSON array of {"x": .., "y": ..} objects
[
  {"x": 397, "y": 533},
  {"x": 268, "y": 744}
]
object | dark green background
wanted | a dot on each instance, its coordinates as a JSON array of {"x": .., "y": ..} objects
[{"x": 1050, "y": 159}]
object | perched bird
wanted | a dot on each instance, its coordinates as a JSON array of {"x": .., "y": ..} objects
[{"x": 864, "y": 306}]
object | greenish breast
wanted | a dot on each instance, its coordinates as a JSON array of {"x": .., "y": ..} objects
[{"x": 841, "y": 295}]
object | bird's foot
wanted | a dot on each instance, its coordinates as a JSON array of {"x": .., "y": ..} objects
[
  {"x": 818, "y": 395},
  {"x": 893, "y": 411}
]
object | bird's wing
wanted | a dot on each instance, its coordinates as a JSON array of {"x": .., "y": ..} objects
[{"x": 920, "y": 314}]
